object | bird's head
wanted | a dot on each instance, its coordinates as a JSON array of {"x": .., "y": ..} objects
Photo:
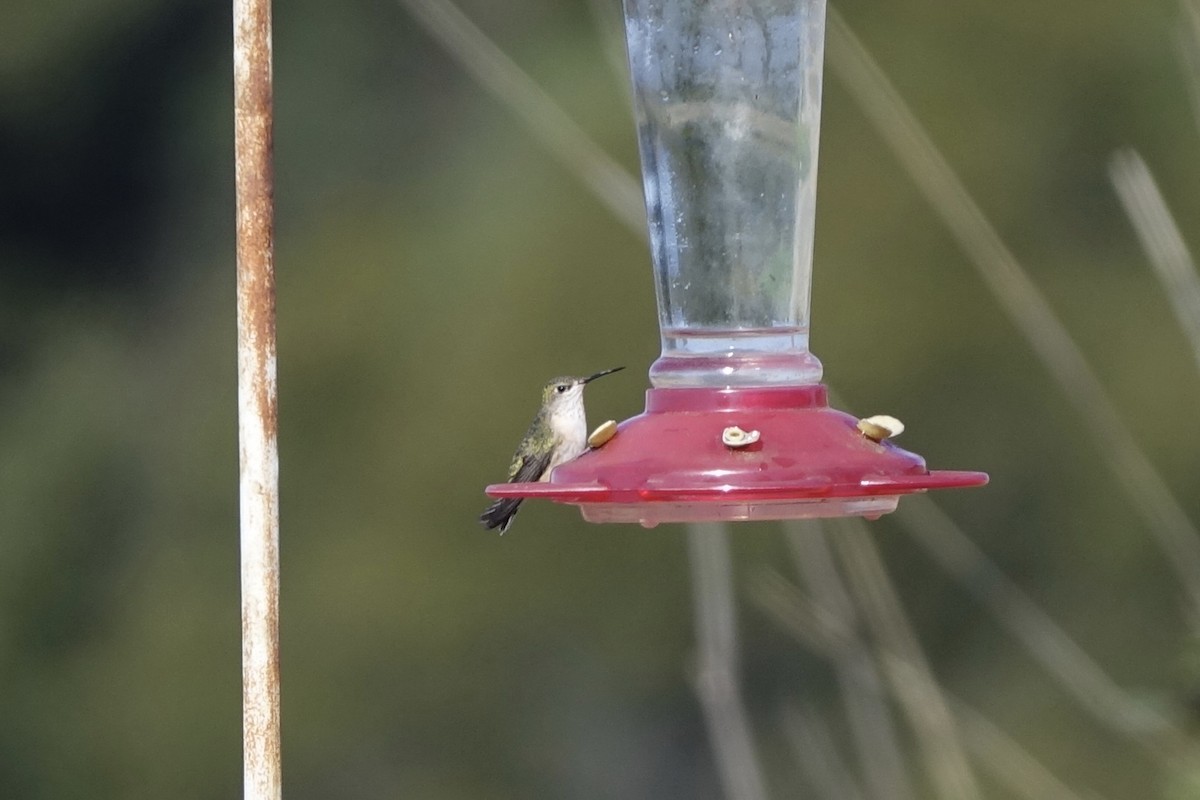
[{"x": 566, "y": 391}]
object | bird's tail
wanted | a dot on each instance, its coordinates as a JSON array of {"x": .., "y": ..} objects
[{"x": 500, "y": 513}]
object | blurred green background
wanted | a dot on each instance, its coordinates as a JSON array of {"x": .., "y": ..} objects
[{"x": 435, "y": 266}]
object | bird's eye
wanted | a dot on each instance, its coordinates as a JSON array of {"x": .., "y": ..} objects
[{"x": 562, "y": 387}]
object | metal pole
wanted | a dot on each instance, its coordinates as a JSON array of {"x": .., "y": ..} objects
[{"x": 257, "y": 399}]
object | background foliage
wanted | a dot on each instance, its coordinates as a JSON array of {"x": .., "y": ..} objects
[{"x": 435, "y": 267}]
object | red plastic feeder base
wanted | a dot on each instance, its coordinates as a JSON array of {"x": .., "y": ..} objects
[{"x": 671, "y": 464}]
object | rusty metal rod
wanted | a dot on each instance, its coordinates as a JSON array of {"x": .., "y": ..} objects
[{"x": 257, "y": 398}]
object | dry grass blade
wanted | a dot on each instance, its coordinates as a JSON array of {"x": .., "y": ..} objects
[
  {"x": 1007, "y": 761},
  {"x": 818, "y": 755},
  {"x": 1057, "y": 653},
  {"x": 862, "y": 689},
  {"x": 1161, "y": 239},
  {"x": 1020, "y": 299},
  {"x": 810, "y": 623},
  {"x": 904, "y": 663},
  {"x": 1012, "y": 766},
  {"x": 549, "y": 124},
  {"x": 718, "y": 682},
  {"x": 1189, "y": 50}
]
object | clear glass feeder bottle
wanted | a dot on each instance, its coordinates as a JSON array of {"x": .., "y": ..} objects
[
  {"x": 737, "y": 426},
  {"x": 727, "y": 96}
]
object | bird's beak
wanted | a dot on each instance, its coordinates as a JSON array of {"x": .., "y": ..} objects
[{"x": 591, "y": 378}]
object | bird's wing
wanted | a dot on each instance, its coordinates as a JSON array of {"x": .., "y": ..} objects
[{"x": 528, "y": 468}]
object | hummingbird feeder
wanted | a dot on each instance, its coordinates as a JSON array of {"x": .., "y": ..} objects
[{"x": 737, "y": 426}]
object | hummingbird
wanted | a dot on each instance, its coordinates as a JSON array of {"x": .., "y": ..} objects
[{"x": 557, "y": 434}]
